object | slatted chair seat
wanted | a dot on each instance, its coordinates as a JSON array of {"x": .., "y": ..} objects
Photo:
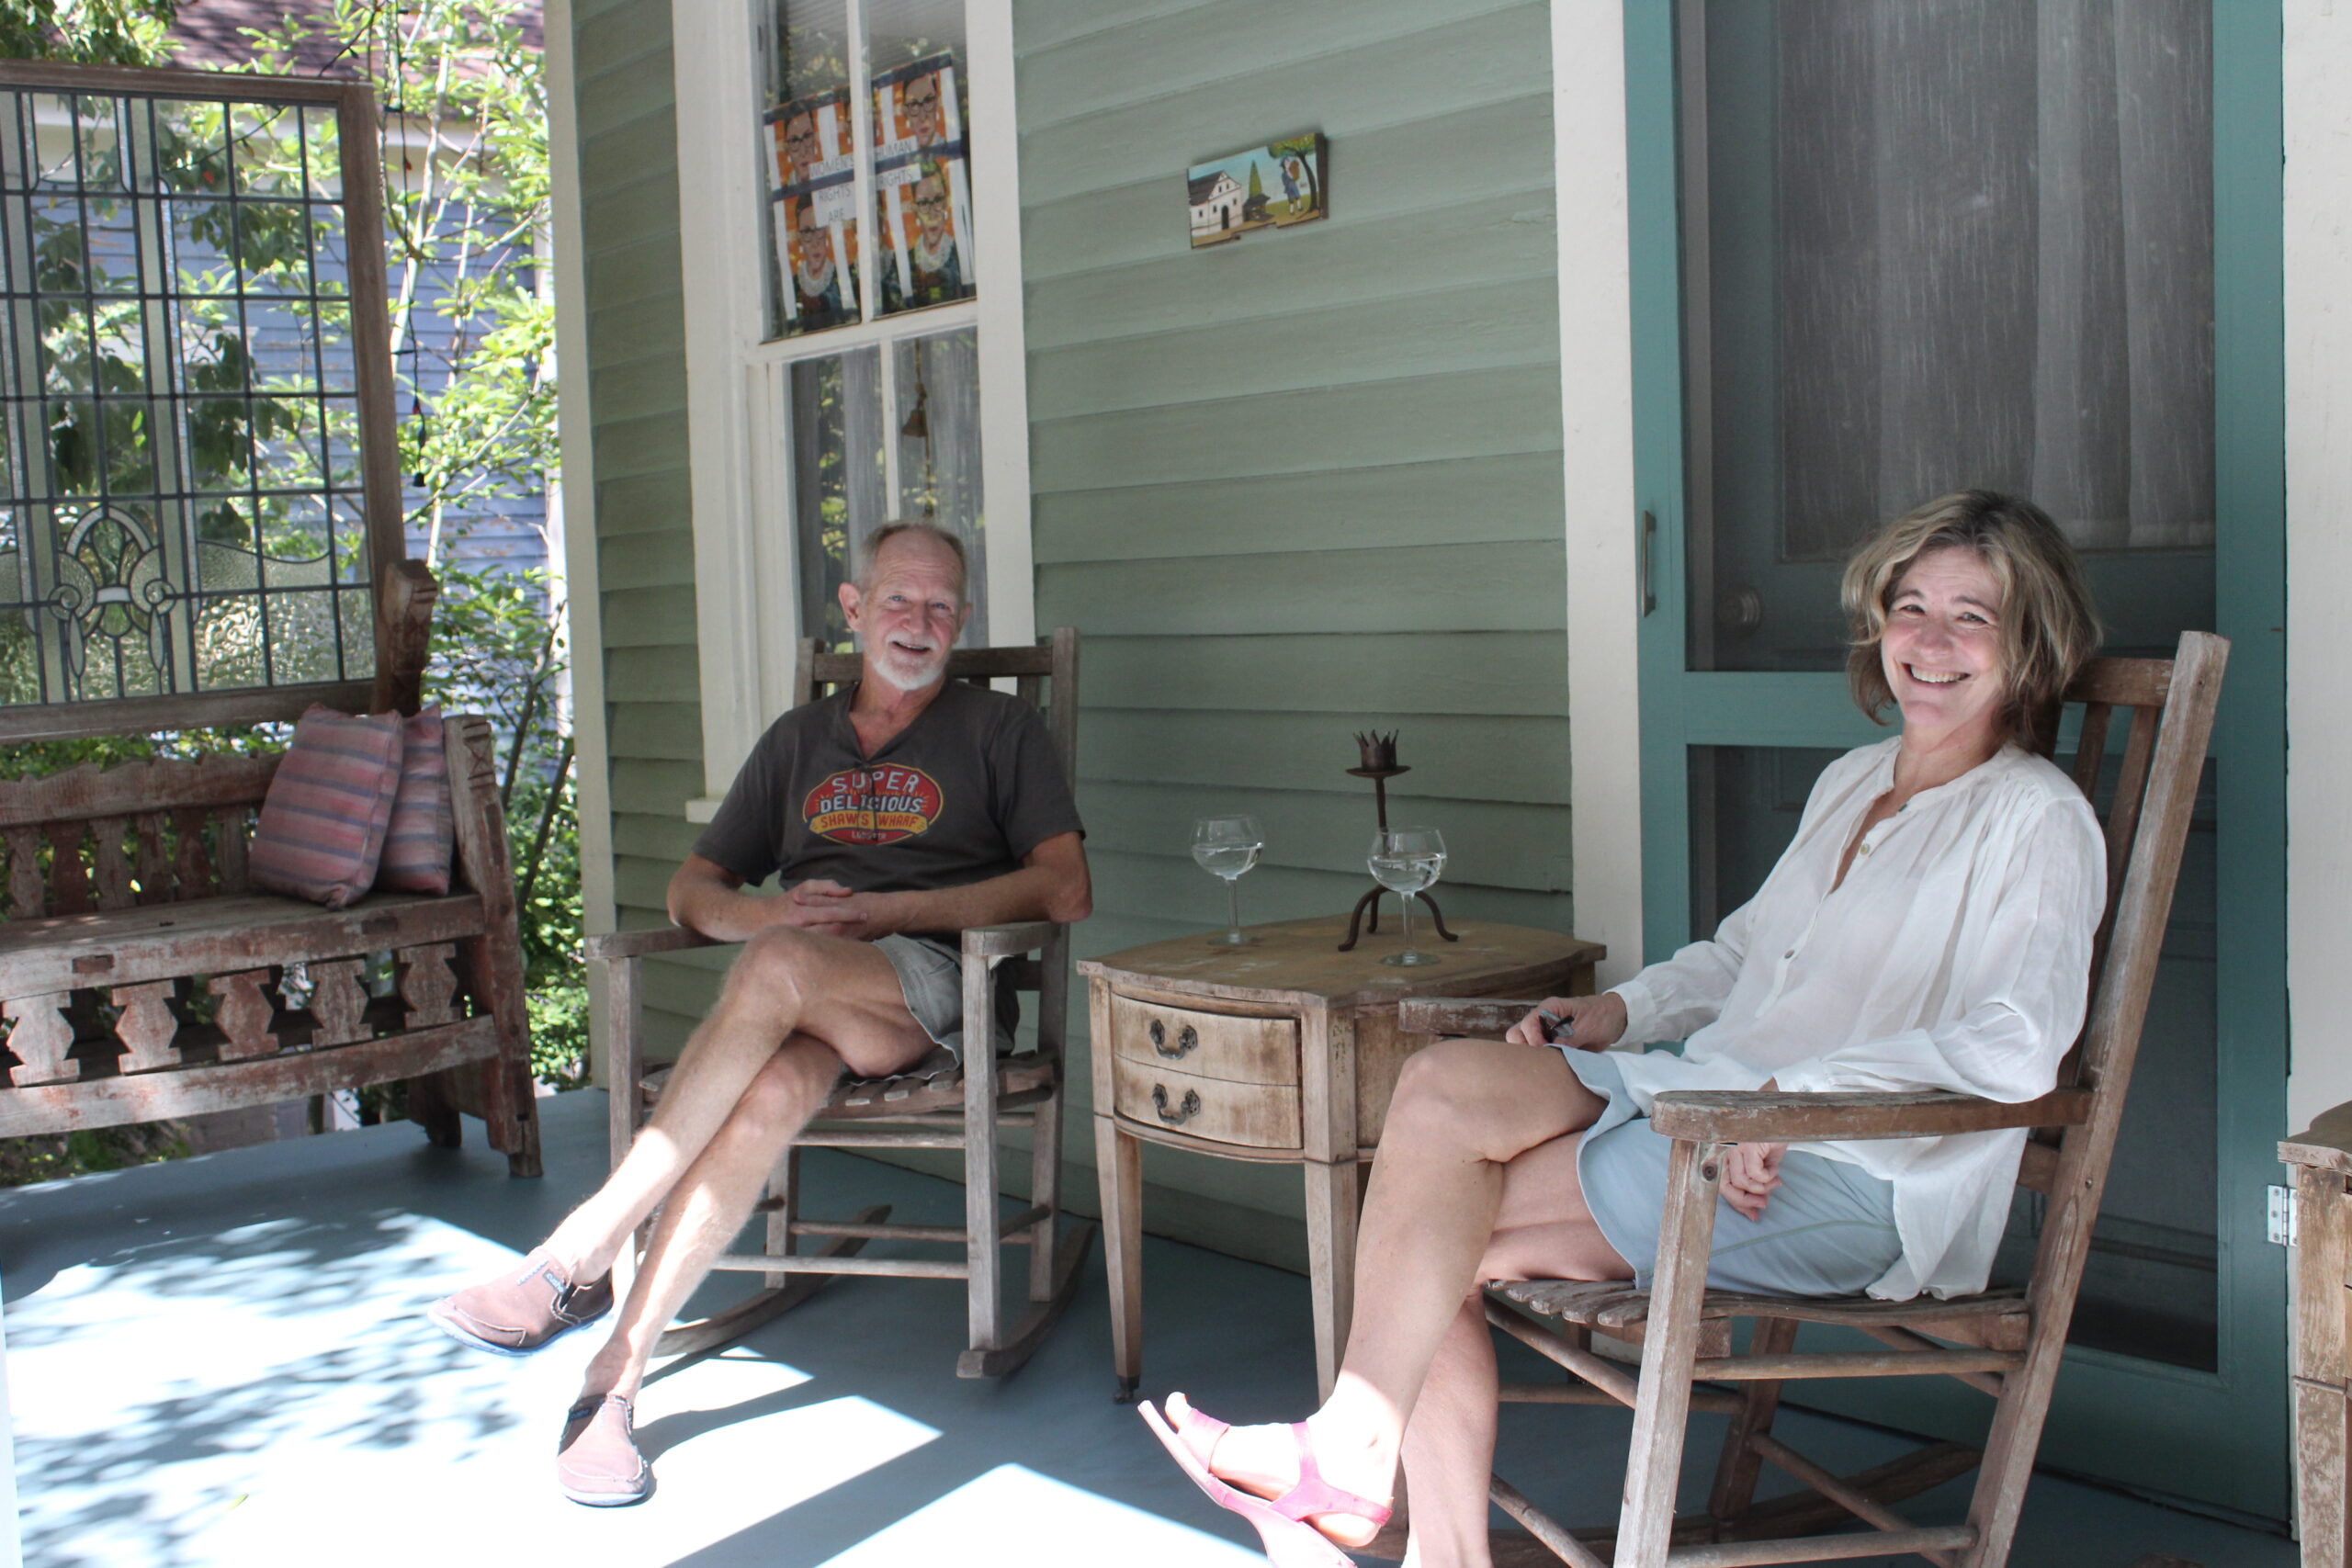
[
  {"x": 933, "y": 1085},
  {"x": 1615, "y": 1308}
]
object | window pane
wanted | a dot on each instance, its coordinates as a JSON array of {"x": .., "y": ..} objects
[
  {"x": 1933, "y": 248},
  {"x": 805, "y": 141},
  {"x": 938, "y": 431},
  {"x": 838, "y": 497},
  {"x": 921, "y": 173},
  {"x": 161, "y": 378}
]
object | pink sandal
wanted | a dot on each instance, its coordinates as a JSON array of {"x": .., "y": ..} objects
[{"x": 1290, "y": 1542}]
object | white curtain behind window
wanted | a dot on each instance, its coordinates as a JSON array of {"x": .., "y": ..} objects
[{"x": 1995, "y": 262}]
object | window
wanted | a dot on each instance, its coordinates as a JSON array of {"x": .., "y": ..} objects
[
  {"x": 853, "y": 320},
  {"x": 183, "y": 509},
  {"x": 869, "y": 227}
]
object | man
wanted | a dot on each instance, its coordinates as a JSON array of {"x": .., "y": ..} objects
[{"x": 896, "y": 814}]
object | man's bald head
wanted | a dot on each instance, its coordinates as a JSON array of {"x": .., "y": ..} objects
[{"x": 914, "y": 533}]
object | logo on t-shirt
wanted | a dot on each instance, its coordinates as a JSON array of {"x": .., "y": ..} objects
[{"x": 873, "y": 805}]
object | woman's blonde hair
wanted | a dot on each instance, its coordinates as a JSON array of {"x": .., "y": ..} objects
[{"x": 2048, "y": 627}]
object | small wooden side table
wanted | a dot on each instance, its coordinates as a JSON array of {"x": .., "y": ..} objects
[
  {"x": 1285, "y": 1050},
  {"x": 2323, "y": 1161}
]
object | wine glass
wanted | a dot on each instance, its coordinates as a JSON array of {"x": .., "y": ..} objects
[
  {"x": 1405, "y": 861},
  {"x": 1227, "y": 847}
]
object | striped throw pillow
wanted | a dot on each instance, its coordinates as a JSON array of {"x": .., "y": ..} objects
[
  {"x": 322, "y": 824},
  {"x": 417, "y": 847}
]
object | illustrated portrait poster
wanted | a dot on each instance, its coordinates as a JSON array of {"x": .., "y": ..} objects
[
  {"x": 814, "y": 205},
  {"x": 922, "y": 184}
]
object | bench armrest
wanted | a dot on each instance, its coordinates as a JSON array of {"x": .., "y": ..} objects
[
  {"x": 1725, "y": 1116},
  {"x": 643, "y": 943},
  {"x": 1008, "y": 940}
]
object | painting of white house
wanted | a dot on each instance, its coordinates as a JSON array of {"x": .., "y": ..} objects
[{"x": 1275, "y": 186}]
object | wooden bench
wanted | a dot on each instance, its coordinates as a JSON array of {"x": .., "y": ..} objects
[
  {"x": 138, "y": 969},
  {"x": 142, "y": 977}
]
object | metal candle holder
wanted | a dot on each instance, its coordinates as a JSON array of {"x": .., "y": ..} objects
[{"x": 1380, "y": 765}]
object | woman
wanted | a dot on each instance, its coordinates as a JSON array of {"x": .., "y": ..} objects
[{"x": 1929, "y": 928}]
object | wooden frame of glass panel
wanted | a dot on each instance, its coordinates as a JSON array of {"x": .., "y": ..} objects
[{"x": 183, "y": 699}]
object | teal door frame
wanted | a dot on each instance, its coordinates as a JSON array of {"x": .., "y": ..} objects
[{"x": 2220, "y": 1437}]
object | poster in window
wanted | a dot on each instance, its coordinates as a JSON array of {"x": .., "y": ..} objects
[
  {"x": 814, "y": 205},
  {"x": 923, "y": 183}
]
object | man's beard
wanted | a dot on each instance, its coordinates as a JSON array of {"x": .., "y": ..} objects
[{"x": 904, "y": 672}]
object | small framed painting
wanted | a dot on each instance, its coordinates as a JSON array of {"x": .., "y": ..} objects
[{"x": 1272, "y": 186}]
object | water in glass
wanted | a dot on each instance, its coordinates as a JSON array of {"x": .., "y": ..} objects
[
  {"x": 1405, "y": 861},
  {"x": 1227, "y": 847}
]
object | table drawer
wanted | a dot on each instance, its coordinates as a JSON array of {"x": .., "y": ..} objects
[
  {"x": 1255, "y": 1115},
  {"x": 1205, "y": 1044}
]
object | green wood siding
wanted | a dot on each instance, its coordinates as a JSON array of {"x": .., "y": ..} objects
[
  {"x": 1299, "y": 487},
  {"x": 643, "y": 514},
  {"x": 1305, "y": 484}
]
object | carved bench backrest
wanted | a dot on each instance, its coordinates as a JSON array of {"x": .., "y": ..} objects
[{"x": 150, "y": 832}]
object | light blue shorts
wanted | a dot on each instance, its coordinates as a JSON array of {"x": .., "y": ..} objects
[
  {"x": 930, "y": 976},
  {"x": 1828, "y": 1229}
]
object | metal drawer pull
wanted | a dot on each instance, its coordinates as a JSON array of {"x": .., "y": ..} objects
[
  {"x": 1185, "y": 1039},
  {"x": 1182, "y": 1113}
]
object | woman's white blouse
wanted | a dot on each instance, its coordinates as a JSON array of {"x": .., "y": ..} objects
[{"x": 1955, "y": 955}]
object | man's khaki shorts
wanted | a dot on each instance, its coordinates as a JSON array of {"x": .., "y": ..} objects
[{"x": 930, "y": 976}]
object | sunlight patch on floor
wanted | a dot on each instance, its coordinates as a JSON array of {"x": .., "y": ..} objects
[
  {"x": 1014, "y": 1515},
  {"x": 719, "y": 1476},
  {"x": 261, "y": 1391}
]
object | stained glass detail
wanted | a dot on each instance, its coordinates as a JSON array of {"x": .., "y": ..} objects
[{"x": 180, "y": 490}]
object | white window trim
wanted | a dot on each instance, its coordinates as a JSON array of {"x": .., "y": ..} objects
[
  {"x": 746, "y": 595},
  {"x": 1597, "y": 447},
  {"x": 574, "y": 498}
]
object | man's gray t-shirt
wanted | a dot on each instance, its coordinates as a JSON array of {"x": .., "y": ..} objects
[{"x": 959, "y": 795}]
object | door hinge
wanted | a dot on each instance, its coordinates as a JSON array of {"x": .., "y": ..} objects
[{"x": 2282, "y": 1230}]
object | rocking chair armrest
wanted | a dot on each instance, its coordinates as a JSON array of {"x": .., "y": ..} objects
[
  {"x": 1723, "y": 1116},
  {"x": 644, "y": 944},
  {"x": 1007, "y": 941},
  {"x": 1481, "y": 1016}
]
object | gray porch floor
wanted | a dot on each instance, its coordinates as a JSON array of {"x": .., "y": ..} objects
[{"x": 219, "y": 1362}]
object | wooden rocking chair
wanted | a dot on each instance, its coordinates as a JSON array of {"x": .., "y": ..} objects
[
  {"x": 934, "y": 1105},
  {"x": 2004, "y": 1343}
]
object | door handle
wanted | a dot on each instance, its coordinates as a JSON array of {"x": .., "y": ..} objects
[
  {"x": 1649, "y": 533},
  {"x": 1182, "y": 1113}
]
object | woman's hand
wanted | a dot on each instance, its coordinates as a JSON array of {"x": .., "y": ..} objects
[
  {"x": 1585, "y": 1024},
  {"x": 1750, "y": 1172}
]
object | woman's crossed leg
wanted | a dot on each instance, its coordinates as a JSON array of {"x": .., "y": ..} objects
[{"x": 1475, "y": 1179}]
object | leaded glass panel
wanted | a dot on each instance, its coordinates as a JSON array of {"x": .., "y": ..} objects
[{"x": 180, "y": 488}]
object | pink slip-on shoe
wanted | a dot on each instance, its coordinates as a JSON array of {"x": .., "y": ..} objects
[
  {"x": 596, "y": 1461},
  {"x": 1281, "y": 1522},
  {"x": 521, "y": 1309}
]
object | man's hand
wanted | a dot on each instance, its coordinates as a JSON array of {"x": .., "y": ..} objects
[
  {"x": 828, "y": 908},
  {"x": 1750, "y": 1172},
  {"x": 1586, "y": 1023}
]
